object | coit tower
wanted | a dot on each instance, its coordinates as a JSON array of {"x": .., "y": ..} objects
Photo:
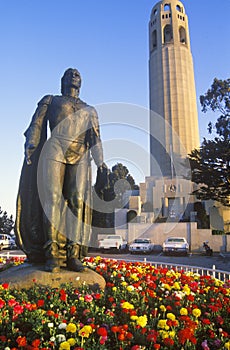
[{"x": 173, "y": 118}]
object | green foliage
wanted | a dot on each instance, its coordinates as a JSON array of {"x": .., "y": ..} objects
[
  {"x": 120, "y": 180},
  {"x": 6, "y": 223},
  {"x": 211, "y": 163},
  {"x": 202, "y": 217},
  {"x": 217, "y": 98}
]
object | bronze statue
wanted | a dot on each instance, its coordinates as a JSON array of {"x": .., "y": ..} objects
[{"x": 54, "y": 200}]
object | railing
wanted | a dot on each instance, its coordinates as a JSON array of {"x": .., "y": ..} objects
[{"x": 203, "y": 271}]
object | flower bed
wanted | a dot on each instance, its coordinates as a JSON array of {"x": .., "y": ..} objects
[{"x": 142, "y": 307}]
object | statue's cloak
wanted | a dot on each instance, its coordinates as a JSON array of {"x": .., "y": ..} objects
[{"x": 29, "y": 230}]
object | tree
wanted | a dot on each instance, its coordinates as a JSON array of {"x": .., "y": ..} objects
[
  {"x": 6, "y": 223},
  {"x": 120, "y": 180},
  {"x": 210, "y": 163}
]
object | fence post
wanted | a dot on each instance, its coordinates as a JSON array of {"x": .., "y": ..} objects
[{"x": 213, "y": 271}]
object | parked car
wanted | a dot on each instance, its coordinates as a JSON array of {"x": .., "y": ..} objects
[
  {"x": 175, "y": 245},
  {"x": 6, "y": 242},
  {"x": 112, "y": 242},
  {"x": 141, "y": 245}
]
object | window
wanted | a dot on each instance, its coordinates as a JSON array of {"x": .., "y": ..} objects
[
  {"x": 168, "y": 33},
  {"x": 182, "y": 34},
  {"x": 154, "y": 39},
  {"x": 155, "y": 12},
  {"x": 179, "y": 8},
  {"x": 167, "y": 7}
]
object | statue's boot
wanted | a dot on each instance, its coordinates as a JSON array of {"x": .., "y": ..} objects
[
  {"x": 83, "y": 251},
  {"x": 73, "y": 262},
  {"x": 52, "y": 258}
]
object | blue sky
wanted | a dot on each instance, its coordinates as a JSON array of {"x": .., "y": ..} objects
[{"x": 108, "y": 42}]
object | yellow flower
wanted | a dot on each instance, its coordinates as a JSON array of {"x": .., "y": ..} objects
[
  {"x": 196, "y": 312},
  {"x": 164, "y": 334},
  {"x": 227, "y": 345},
  {"x": 176, "y": 285},
  {"x": 134, "y": 277},
  {"x": 162, "y": 324},
  {"x": 124, "y": 283},
  {"x": 127, "y": 305},
  {"x": 71, "y": 327},
  {"x": 183, "y": 311},
  {"x": 166, "y": 286},
  {"x": 130, "y": 288},
  {"x": 172, "y": 334},
  {"x": 64, "y": 346},
  {"x": 71, "y": 341},
  {"x": 134, "y": 317},
  {"x": 142, "y": 321},
  {"x": 114, "y": 289},
  {"x": 162, "y": 308},
  {"x": 171, "y": 316},
  {"x": 114, "y": 273},
  {"x": 187, "y": 290},
  {"x": 85, "y": 331}
]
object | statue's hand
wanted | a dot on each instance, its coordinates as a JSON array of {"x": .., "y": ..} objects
[
  {"x": 28, "y": 161},
  {"x": 103, "y": 166},
  {"x": 28, "y": 152}
]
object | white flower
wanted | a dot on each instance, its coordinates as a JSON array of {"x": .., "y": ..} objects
[
  {"x": 62, "y": 325},
  {"x": 50, "y": 324},
  {"x": 60, "y": 338}
]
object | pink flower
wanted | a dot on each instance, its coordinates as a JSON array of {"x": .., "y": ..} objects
[
  {"x": 12, "y": 302},
  {"x": 88, "y": 298},
  {"x": 205, "y": 345}
]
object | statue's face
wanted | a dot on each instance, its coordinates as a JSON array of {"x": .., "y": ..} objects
[{"x": 72, "y": 78}]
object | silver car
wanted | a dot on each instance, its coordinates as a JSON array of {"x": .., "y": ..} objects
[
  {"x": 175, "y": 245},
  {"x": 141, "y": 245}
]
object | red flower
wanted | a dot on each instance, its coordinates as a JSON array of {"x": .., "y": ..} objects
[
  {"x": 168, "y": 341},
  {"x": 152, "y": 336},
  {"x": 97, "y": 296},
  {"x": 36, "y": 343},
  {"x": 63, "y": 295},
  {"x": 5, "y": 285},
  {"x": 3, "y": 338},
  {"x": 121, "y": 337},
  {"x": 102, "y": 331},
  {"x": 73, "y": 309},
  {"x": 2, "y": 303},
  {"x": 18, "y": 309},
  {"x": 129, "y": 335},
  {"x": 184, "y": 335},
  {"x": 206, "y": 321},
  {"x": 40, "y": 302},
  {"x": 115, "y": 329},
  {"x": 21, "y": 341}
]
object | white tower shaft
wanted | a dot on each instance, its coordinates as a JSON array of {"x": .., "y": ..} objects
[{"x": 172, "y": 86}]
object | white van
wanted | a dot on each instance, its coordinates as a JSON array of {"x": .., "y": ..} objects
[{"x": 6, "y": 241}]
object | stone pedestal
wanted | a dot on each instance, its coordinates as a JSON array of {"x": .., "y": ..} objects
[{"x": 27, "y": 275}]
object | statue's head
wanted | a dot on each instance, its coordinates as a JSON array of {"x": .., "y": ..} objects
[{"x": 71, "y": 78}]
